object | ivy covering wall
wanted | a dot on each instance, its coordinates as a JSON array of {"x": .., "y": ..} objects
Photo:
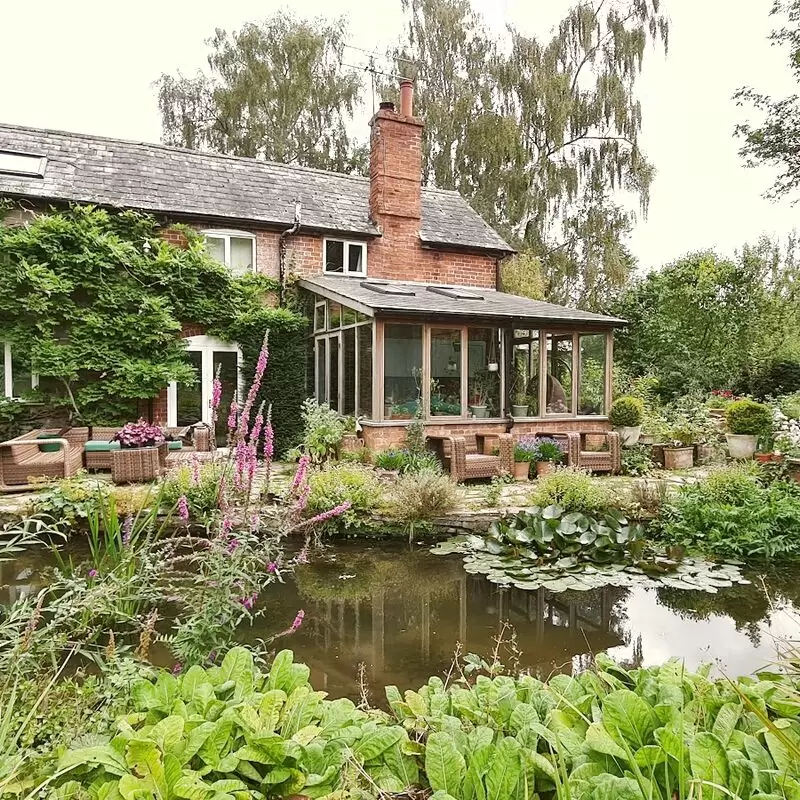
[{"x": 95, "y": 302}]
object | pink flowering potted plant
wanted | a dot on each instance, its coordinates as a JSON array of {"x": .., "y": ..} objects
[{"x": 139, "y": 434}]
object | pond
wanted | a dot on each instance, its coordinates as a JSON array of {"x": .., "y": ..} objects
[{"x": 402, "y": 612}]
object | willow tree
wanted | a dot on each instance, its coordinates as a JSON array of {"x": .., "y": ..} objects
[
  {"x": 541, "y": 134},
  {"x": 274, "y": 90},
  {"x": 775, "y": 141}
]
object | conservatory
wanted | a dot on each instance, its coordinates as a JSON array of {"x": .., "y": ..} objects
[{"x": 464, "y": 359}]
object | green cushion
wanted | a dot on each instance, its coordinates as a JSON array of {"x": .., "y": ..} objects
[
  {"x": 49, "y": 448},
  {"x": 99, "y": 446},
  {"x": 177, "y": 445}
]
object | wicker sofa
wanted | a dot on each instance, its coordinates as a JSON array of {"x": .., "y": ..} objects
[{"x": 30, "y": 455}]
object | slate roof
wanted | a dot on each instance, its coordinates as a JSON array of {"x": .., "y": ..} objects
[
  {"x": 157, "y": 178},
  {"x": 439, "y": 300}
]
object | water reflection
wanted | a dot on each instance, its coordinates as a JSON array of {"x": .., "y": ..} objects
[{"x": 402, "y": 614}]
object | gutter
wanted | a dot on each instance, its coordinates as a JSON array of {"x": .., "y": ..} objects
[{"x": 298, "y": 209}]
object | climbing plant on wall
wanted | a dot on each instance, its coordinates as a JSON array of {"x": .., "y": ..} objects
[{"x": 95, "y": 302}]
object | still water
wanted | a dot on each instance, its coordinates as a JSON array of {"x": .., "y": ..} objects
[{"x": 402, "y": 613}]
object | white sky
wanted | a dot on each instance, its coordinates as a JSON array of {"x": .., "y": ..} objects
[{"x": 88, "y": 66}]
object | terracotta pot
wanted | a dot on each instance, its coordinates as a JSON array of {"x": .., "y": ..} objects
[
  {"x": 703, "y": 453},
  {"x": 768, "y": 458},
  {"x": 678, "y": 457},
  {"x": 521, "y": 470},
  {"x": 629, "y": 435},
  {"x": 647, "y": 438},
  {"x": 544, "y": 468},
  {"x": 741, "y": 446}
]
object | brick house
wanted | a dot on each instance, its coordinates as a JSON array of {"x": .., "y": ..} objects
[{"x": 402, "y": 280}]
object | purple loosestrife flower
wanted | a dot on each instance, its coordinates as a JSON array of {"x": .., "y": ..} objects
[
  {"x": 272, "y": 567},
  {"x": 177, "y": 668},
  {"x": 255, "y": 386},
  {"x": 298, "y": 621},
  {"x": 249, "y": 602},
  {"x": 227, "y": 525},
  {"x": 183, "y": 508},
  {"x": 302, "y": 498},
  {"x": 232, "y": 545},
  {"x": 337, "y": 511},
  {"x": 258, "y": 424},
  {"x": 255, "y": 523},
  {"x": 240, "y": 464},
  {"x": 232, "y": 414},
  {"x": 93, "y": 573},
  {"x": 216, "y": 396},
  {"x": 269, "y": 437},
  {"x": 300, "y": 474},
  {"x": 195, "y": 471},
  {"x": 302, "y": 556},
  {"x": 127, "y": 529}
]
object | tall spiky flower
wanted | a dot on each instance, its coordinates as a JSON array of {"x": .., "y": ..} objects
[{"x": 255, "y": 387}]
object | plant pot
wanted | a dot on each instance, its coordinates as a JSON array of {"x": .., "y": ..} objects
[
  {"x": 49, "y": 448},
  {"x": 741, "y": 446},
  {"x": 521, "y": 470},
  {"x": 793, "y": 468},
  {"x": 595, "y": 442},
  {"x": 478, "y": 411},
  {"x": 544, "y": 468},
  {"x": 719, "y": 413},
  {"x": 629, "y": 435},
  {"x": 703, "y": 453},
  {"x": 678, "y": 457},
  {"x": 519, "y": 410},
  {"x": 387, "y": 411},
  {"x": 647, "y": 438},
  {"x": 492, "y": 366},
  {"x": 350, "y": 443}
]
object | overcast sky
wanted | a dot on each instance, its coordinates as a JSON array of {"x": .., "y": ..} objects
[{"x": 89, "y": 66}]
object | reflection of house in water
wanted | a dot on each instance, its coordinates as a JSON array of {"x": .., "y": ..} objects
[
  {"x": 18, "y": 579},
  {"x": 406, "y": 630}
]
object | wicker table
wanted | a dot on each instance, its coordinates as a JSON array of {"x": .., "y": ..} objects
[{"x": 137, "y": 464}]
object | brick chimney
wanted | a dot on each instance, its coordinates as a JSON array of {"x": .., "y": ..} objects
[{"x": 395, "y": 164}]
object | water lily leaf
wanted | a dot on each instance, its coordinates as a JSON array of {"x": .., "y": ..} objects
[
  {"x": 552, "y": 512},
  {"x": 587, "y": 537}
]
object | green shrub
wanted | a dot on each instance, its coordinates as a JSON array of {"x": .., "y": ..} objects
[
  {"x": 419, "y": 497},
  {"x": 789, "y": 404},
  {"x": 637, "y": 461},
  {"x": 573, "y": 490},
  {"x": 199, "y": 484},
  {"x": 626, "y": 412},
  {"x": 70, "y": 501},
  {"x": 392, "y": 459},
  {"x": 779, "y": 376},
  {"x": 323, "y": 429},
  {"x": 339, "y": 483},
  {"x": 746, "y": 417},
  {"x": 732, "y": 513}
]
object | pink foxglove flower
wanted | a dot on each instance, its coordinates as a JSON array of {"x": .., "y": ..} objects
[
  {"x": 269, "y": 441},
  {"x": 183, "y": 508}
]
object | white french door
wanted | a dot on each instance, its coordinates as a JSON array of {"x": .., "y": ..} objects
[
  {"x": 187, "y": 405},
  {"x": 329, "y": 369}
]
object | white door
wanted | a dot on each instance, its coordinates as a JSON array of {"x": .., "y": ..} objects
[{"x": 187, "y": 405}]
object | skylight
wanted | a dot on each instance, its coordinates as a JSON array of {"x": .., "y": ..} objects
[
  {"x": 22, "y": 164},
  {"x": 455, "y": 292},
  {"x": 384, "y": 287}
]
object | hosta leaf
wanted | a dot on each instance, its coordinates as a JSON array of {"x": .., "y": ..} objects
[
  {"x": 610, "y": 787},
  {"x": 444, "y": 765},
  {"x": 627, "y": 715},
  {"x": 709, "y": 764},
  {"x": 376, "y": 741}
]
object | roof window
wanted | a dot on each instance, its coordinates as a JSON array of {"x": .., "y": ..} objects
[
  {"x": 384, "y": 287},
  {"x": 22, "y": 164},
  {"x": 455, "y": 293}
]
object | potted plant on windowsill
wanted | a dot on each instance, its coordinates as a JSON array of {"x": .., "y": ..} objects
[
  {"x": 626, "y": 417},
  {"x": 746, "y": 421},
  {"x": 524, "y": 456},
  {"x": 549, "y": 452},
  {"x": 480, "y": 390},
  {"x": 519, "y": 404}
]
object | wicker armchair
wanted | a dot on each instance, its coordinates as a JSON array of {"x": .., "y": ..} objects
[
  {"x": 606, "y": 460},
  {"x": 466, "y": 460},
  {"x": 22, "y": 458}
]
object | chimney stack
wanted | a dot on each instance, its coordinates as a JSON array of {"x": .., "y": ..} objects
[{"x": 395, "y": 163}]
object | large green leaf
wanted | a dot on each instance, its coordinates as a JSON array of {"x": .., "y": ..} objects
[
  {"x": 376, "y": 741},
  {"x": 610, "y": 787},
  {"x": 709, "y": 764},
  {"x": 726, "y": 721},
  {"x": 504, "y": 769},
  {"x": 444, "y": 765},
  {"x": 104, "y": 756},
  {"x": 627, "y": 716}
]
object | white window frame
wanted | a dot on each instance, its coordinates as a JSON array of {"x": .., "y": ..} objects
[
  {"x": 8, "y": 377},
  {"x": 348, "y": 243},
  {"x": 226, "y": 235}
]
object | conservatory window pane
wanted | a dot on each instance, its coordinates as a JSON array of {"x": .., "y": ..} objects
[
  {"x": 333, "y": 373},
  {"x": 334, "y": 315},
  {"x": 559, "y": 373},
  {"x": 322, "y": 360},
  {"x": 319, "y": 317},
  {"x": 445, "y": 372},
  {"x": 592, "y": 398},
  {"x": 402, "y": 370},
  {"x": 349, "y": 376},
  {"x": 484, "y": 372},
  {"x": 365, "y": 370},
  {"x": 524, "y": 380}
]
